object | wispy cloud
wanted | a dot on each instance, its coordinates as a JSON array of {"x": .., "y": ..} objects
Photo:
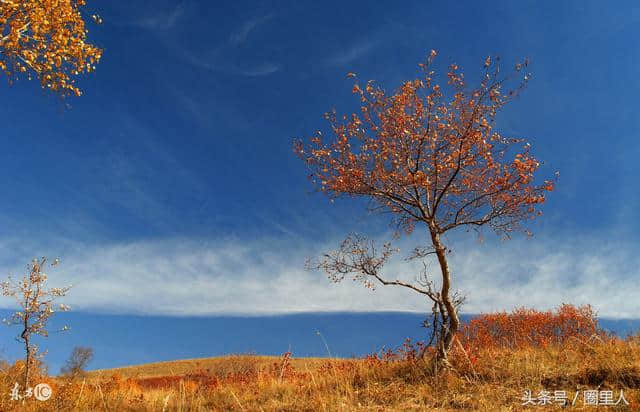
[
  {"x": 352, "y": 53},
  {"x": 260, "y": 70},
  {"x": 207, "y": 111},
  {"x": 241, "y": 33},
  {"x": 162, "y": 20},
  {"x": 126, "y": 172},
  {"x": 223, "y": 65},
  {"x": 218, "y": 60},
  {"x": 200, "y": 277},
  {"x": 225, "y": 56}
]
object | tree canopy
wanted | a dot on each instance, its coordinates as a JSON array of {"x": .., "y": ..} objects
[
  {"x": 430, "y": 159},
  {"x": 46, "y": 39}
]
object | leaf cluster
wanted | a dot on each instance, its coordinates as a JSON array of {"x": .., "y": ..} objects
[{"x": 46, "y": 39}]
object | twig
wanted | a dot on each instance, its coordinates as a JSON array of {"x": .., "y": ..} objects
[
  {"x": 475, "y": 374},
  {"x": 80, "y": 395},
  {"x": 166, "y": 402},
  {"x": 236, "y": 398},
  {"x": 104, "y": 402}
]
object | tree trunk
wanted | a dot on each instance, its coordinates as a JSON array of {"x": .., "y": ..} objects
[
  {"x": 450, "y": 327},
  {"x": 27, "y": 364}
]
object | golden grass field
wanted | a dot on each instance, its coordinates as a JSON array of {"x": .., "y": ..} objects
[
  {"x": 219, "y": 366},
  {"x": 490, "y": 380}
]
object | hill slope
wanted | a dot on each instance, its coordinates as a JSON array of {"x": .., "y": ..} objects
[{"x": 217, "y": 366}]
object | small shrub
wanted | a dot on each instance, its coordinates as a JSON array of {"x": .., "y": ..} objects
[
  {"x": 77, "y": 363},
  {"x": 529, "y": 327}
]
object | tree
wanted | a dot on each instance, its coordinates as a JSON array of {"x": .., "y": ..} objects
[
  {"x": 35, "y": 307},
  {"x": 77, "y": 363},
  {"x": 46, "y": 39},
  {"x": 431, "y": 161}
]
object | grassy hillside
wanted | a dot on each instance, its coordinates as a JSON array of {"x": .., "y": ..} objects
[
  {"x": 496, "y": 360},
  {"x": 492, "y": 380},
  {"x": 218, "y": 366}
]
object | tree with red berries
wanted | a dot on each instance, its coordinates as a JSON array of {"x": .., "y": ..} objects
[{"x": 435, "y": 161}]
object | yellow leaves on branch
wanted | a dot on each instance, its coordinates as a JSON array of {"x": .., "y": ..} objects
[
  {"x": 427, "y": 157},
  {"x": 46, "y": 39}
]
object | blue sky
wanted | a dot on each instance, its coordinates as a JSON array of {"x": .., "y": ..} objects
[{"x": 170, "y": 186}]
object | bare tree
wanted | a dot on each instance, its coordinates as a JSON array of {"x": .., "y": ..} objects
[
  {"x": 77, "y": 363},
  {"x": 35, "y": 307}
]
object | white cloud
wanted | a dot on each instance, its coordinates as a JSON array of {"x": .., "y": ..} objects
[
  {"x": 190, "y": 277},
  {"x": 241, "y": 33},
  {"x": 162, "y": 21},
  {"x": 216, "y": 61},
  {"x": 225, "y": 56},
  {"x": 353, "y": 53},
  {"x": 260, "y": 70}
]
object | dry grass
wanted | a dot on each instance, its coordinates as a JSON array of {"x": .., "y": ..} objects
[
  {"x": 491, "y": 380},
  {"x": 219, "y": 366}
]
